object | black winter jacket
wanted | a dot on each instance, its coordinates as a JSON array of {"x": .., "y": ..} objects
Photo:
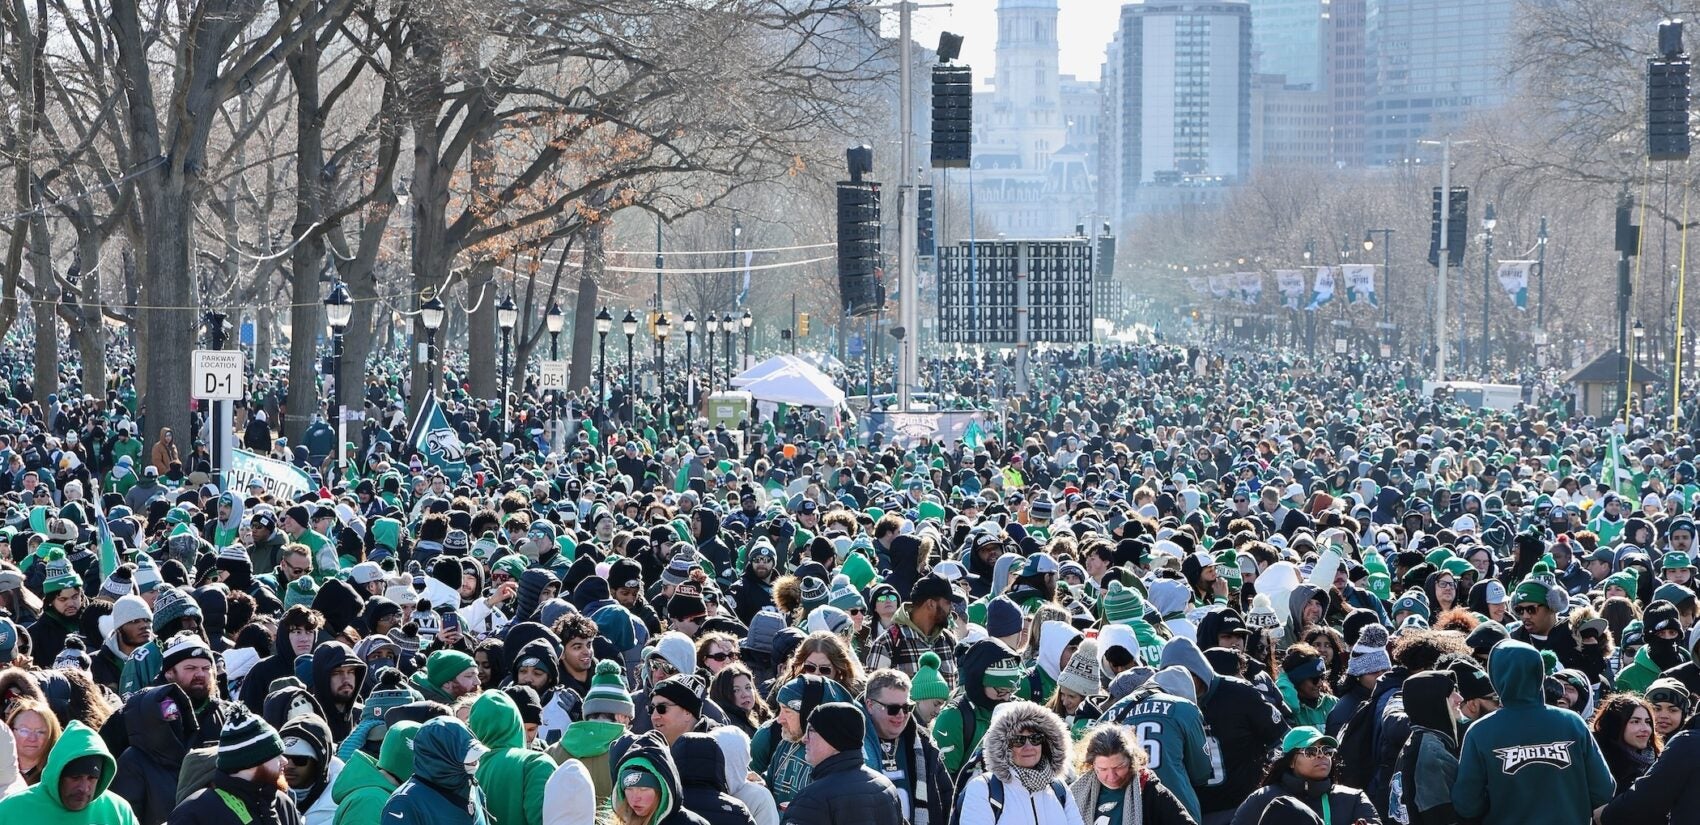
[
  {"x": 263, "y": 806},
  {"x": 844, "y": 791},
  {"x": 1670, "y": 791},
  {"x": 1345, "y": 805},
  {"x": 702, "y": 781},
  {"x": 147, "y": 770}
]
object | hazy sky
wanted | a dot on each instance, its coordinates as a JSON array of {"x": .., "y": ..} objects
[{"x": 1084, "y": 28}]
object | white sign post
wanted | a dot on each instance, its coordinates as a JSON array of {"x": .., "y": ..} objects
[
  {"x": 552, "y": 375},
  {"x": 217, "y": 375}
]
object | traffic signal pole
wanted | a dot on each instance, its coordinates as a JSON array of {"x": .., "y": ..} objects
[{"x": 907, "y": 295}]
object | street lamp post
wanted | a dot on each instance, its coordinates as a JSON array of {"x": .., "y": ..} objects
[
  {"x": 1488, "y": 223},
  {"x": 629, "y": 325},
  {"x": 506, "y": 318},
  {"x": 712, "y": 328},
  {"x": 726, "y": 325},
  {"x": 746, "y": 322},
  {"x": 1638, "y": 332},
  {"x": 690, "y": 380},
  {"x": 662, "y": 328},
  {"x": 338, "y": 310},
  {"x": 1386, "y": 276},
  {"x": 554, "y": 321},
  {"x": 604, "y": 323},
  {"x": 431, "y": 315}
]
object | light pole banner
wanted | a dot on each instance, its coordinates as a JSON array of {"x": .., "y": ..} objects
[
  {"x": 1220, "y": 285},
  {"x": 1200, "y": 286},
  {"x": 1291, "y": 284},
  {"x": 1251, "y": 286},
  {"x": 284, "y": 481},
  {"x": 1514, "y": 279},
  {"x": 1360, "y": 283},
  {"x": 1324, "y": 289}
]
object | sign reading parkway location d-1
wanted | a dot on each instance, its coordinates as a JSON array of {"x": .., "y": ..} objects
[{"x": 217, "y": 375}]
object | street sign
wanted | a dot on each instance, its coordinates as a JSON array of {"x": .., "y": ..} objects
[
  {"x": 552, "y": 375},
  {"x": 216, "y": 375}
]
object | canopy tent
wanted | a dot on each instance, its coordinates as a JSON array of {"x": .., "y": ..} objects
[
  {"x": 823, "y": 361},
  {"x": 766, "y": 368},
  {"x": 798, "y": 384}
]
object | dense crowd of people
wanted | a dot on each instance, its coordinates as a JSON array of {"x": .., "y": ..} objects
[{"x": 1174, "y": 585}]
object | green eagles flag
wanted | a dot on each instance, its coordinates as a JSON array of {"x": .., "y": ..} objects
[
  {"x": 437, "y": 442},
  {"x": 1616, "y": 473}
]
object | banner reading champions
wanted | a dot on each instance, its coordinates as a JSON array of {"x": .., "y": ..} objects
[
  {"x": 945, "y": 426},
  {"x": 284, "y": 481}
]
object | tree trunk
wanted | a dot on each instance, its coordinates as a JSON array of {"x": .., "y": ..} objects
[
  {"x": 43, "y": 307},
  {"x": 306, "y": 314},
  {"x": 167, "y": 310},
  {"x": 483, "y": 341},
  {"x": 585, "y": 309},
  {"x": 265, "y": 329}
]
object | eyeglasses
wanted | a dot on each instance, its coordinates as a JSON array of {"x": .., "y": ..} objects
[
  {"x": 662, "y": 667},
  {"x": 817, "y": 670},
  {"x": 1318, "y": 752},
  {"x": 659, "y": 709},
  {"x": 31, "y": 733},
  {"x": 1028, "y": 740},
  {"x": 724, "y": 656},
  {"x": 897, "y": 708}
]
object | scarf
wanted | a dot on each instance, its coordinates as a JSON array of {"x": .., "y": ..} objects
[{"x": 1033, "y": 779}]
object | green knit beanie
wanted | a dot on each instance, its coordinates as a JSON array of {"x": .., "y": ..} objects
[
  {"x": 1121, "y": 604},
  {"x": 928, "y": 684},
  {"x": 444, "y": 665},
  {"x": 299, "y": 592}
]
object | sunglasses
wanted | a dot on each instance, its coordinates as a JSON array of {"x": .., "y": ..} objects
[
  {"x": 299, "y": 761},
  {"x": 1028, "y": 740},
  {"x": 1318, "y": 752},
  {"x": 896, "y": 709},
  {"x": 659, "y": 709},
  {"x": 887, "y": 599},
  {"x": 724, "y": 656},
  {"x": 1527, "y": 609},
  {"x": 854, "y": 611},
  {"x": 662, "y": 667},
  {"x": 816, "y": 670}
]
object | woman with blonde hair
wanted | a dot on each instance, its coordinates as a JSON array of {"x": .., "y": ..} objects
[
  {"x": 1115, "y": 782},
  {"x": 36, "y": 730}
]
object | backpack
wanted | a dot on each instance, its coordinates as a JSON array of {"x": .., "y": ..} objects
[
  {"x": 1356, "y": 754},
  {"x": 994, "y": 796}
]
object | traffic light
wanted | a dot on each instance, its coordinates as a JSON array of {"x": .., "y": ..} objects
[
  {"x": 802, "y": 325},
  {"x": 1667, "y": 96},
  {"x": 925, "y": 245},
  {"x": 858, "y": 246},
  {"x": 953, "y": 116},
  {"x": 1457, "y": 226}
]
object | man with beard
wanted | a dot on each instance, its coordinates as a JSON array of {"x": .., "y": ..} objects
[
  {"x": 777, "y": 750},
  {"x": 188, "y": 664},
  {"x": 310, "y": 767},
  {"x": 73, "y": 786},
  {"x": 128, "y": 627},
  {"x": 62, "y": 590},
  {"x": 754, "y": 590},
  {"x": 337, "y": 678},
  {"x": 247, "y": 787}
]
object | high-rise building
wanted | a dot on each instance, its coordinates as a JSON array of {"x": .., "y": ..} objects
[
  {"x": 1185, "y": 102},
  {"x": 1289, "y": 124},
  {"x": 1429, "y": 65},
  {"x": 1290, "y": 37},
  {"x": 1034, "y": 132},
  {"x": 1346, "y": 81}
]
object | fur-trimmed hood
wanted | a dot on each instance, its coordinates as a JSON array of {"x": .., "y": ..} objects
[{"x": 1012, "y": 717}]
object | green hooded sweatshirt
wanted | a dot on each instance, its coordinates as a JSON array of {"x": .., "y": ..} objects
[
  {"x": 518, "y": 775},
  {"x": 1639, "y": 674},
  {"x": 362, "y": 788},
  {"x": 588, "y": 742},
  {"x": 40, "y": 804},
  {"x": 1526, "y": 763}
]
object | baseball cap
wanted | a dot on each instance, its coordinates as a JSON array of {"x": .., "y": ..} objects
[
  {"x": 1303, "y": 737},
  {"x": 1496, "y": 593}
]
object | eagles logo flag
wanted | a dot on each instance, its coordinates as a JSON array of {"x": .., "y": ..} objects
[{"x": 437, "y": 442}]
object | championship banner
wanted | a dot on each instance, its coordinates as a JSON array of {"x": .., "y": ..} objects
[
  {"x": 944, "y": 426},
  {"x": 1291, "y": 284},
  {"x": 1250, "y": 285},
  {"x": 1324, "y": 291},
  {"x": 1514, "y": 279},
  {"x": 1360, "y": 283},
  {"x": 436, "y": 441},
  {"x": 284, "y": 481}
]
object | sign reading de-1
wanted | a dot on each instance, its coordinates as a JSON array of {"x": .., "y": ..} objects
[{"x": 216, "y": 375}]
